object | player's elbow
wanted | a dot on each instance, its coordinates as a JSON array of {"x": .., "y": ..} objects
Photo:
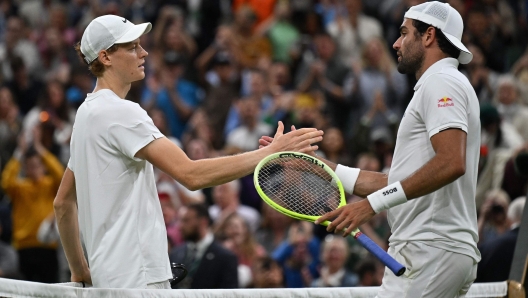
[
  {"x": 458, "y": 169},
  {"x": 191, "y": 182}
]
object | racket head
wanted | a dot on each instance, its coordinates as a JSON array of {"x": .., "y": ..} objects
[{"x": 298, "y": 185}]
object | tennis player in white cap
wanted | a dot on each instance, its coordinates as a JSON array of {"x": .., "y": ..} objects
[
  {"x": 430, "y": 190},
  {"x": 108, "y": 191}
]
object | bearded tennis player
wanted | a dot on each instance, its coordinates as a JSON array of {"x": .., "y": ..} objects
[
  {"x": 429, "y": 193},
  {"x": 108, "y": 192}
]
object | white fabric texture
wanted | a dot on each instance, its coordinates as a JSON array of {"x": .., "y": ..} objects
[
  {"x": 447, "y": 218},
  {"x": 18, "y": 288},
  {"x": 387, "y": 197},
  {"x": 431, "y": 272},
  {"x": 120, "y": 215},
  {"x": 348, "y": 177}
]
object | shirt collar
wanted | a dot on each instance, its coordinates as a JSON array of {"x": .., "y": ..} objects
[{"x": 436, "y": 67}]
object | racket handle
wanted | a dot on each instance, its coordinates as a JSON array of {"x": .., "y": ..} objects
[{"x": 397, "y": 268}]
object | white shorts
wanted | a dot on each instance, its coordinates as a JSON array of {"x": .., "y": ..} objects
[
  {"x": 162, "y": 285},
  {"x": 431, "y": 272}
]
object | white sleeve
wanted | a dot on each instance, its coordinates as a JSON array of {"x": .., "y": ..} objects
[
  {"x": 132, "y": 132},
  {"x": 444, "y": 104}
]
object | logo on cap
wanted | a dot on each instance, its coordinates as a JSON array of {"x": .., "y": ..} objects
[
  {"x": 445, "y": 102},
  {"x": 124, "y": 20}
]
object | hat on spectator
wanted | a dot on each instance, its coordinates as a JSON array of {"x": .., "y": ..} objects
[
  {"x": 105, "y": 31},
  {"x": 445, "y": 18}
]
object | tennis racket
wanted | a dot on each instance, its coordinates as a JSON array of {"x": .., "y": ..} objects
[{"x": 305, "y": 188}]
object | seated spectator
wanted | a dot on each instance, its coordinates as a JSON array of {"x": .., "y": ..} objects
[
  {"x": 209, "y": 265},
  {"x": 333, "y": 259},
  {"x": 267, "y": 273},
  {"x": 32, "y": 201},
  {"x": 369, "y": 271},
  {"x": 236, "y": 236},
  {"x": 510, "y": 105},
  {"x": 274, "y": 228},
  {"x": 26, "y": 90},
  {"x": 493, "y": 220},
  {"x": 227, "y": 201},
  {"x": 298, "y": 256},
  {"x": 246, "y": 136},
  {"x": 497, "y": 254}
]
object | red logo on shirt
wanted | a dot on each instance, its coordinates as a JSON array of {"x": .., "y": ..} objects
[{"x": 445, "y": 102}]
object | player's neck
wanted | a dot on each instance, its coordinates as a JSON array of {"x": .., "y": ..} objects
[
  {"x": 429, "y": 60},
  {"x": 108, "y": 81}
]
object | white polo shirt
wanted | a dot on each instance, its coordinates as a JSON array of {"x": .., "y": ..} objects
[
  {"x": 119, "y": 211},
  {"x": 446, "y": 218}
]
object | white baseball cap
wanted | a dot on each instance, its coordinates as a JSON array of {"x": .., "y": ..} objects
[
  {"x": 446, "y": 18},
  {"x": 105, "y": 31}
]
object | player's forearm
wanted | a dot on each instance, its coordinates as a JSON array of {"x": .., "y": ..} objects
[
  {"x": 67, "y": 221},
  {"x": 214, "y": 171},
  {"x": 369, "y": 182},
  {"x": 436, "y": 173}
]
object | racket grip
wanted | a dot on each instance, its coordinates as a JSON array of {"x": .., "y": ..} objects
[{"x": 397, "y": 268}]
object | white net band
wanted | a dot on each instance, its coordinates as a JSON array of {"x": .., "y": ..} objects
[{"x": 16, "y": 288}]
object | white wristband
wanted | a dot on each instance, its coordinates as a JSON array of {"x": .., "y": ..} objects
[
  {"x": 348, "y": 177},
  {"x": 387, "y": 197}
]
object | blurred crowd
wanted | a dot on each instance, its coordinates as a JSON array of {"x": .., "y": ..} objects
[{"x": 220, "y": 74}]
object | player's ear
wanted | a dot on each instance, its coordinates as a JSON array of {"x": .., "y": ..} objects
[
  {"x": 429, "y": 36},
  {"x": 104, "y": 58}
]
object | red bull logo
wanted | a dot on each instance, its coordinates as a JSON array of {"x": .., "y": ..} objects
[{"x": 445, "y": 102}]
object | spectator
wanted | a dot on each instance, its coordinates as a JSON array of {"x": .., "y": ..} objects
[
  {"x": 510, "y": 106},
  {"x": 10, "y": 125},
  {"x": 369, "y": 273},
  {"x": 352, "y": 30},
  {"x": 493, "y": 220},
  {"x": 482, "y": 32},
  {"x": 482, "y": 78},
  {"x": 267, "y": 273},
  {"x": 16, "y": 44},
  {"x": 326, "y": 74},
  {"x": 298, "y": 256},
  {"x": 245, "y": 137},
  {"x": 498, "y": 141},
  {"x": 252, "y": 46},
  {"x": 237, "y": 237},
  {"x": 333, "y": 271},
  {"x": 170, "y": 92},
  {"x": 497, "y": 254},
  {"x": 227, "y": 201},
  {"x": 274, "y": 228},
  {"x": 333, "y": 147},
  {"x": 25, "y": 89},
  {"x": 209, "y": 265},
  {"x": 513, "y": 182},
  {"x": 378, "y": 88},
  {"x": 220, "y": 97},
  {"x": 52, "y": 112},
  {"x": 281, "y": 33},
  {"x": 32, "y": 201}
]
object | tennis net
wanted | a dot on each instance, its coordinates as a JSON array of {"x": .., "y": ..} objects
[{"x": 17, "y": 288}]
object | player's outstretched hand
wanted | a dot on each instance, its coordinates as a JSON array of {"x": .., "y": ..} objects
[
  {"x": 299, "y": 140},
  {"x": 348, "y": 217}
]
